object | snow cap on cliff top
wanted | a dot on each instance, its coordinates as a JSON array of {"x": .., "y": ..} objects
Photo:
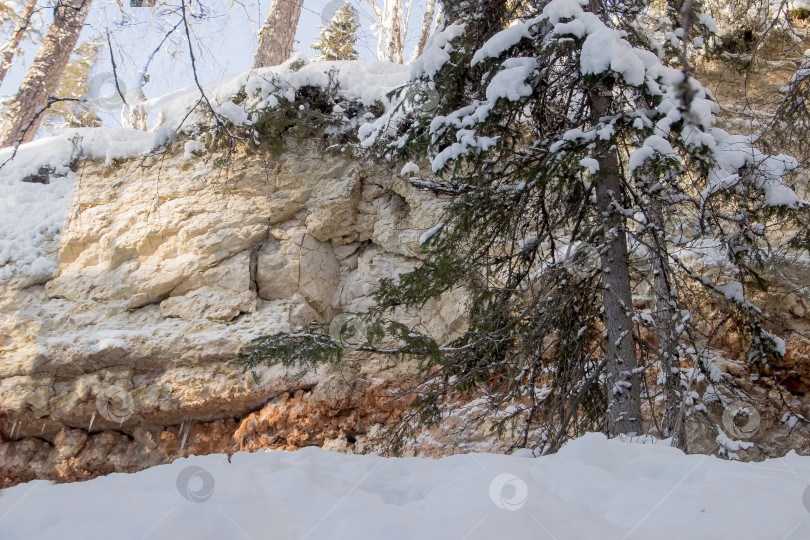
[{"x": 32, "y": 214}]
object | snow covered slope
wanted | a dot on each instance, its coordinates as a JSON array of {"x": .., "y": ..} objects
[
  {"x": 593, "y": 488},
  {"x": 32, "y": 214}
]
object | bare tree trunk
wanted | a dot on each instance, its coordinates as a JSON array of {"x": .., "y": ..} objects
[
  {"x": 22, "y": 118},
  {"x": 393, "y": 27},
  {"x": 624, "y": 400},
  {"x": 11, "y": 47},
  {"x": 277, "y": 35},
  {"x": 427, "y": 22},
  {"x": 666, "y": 321}
]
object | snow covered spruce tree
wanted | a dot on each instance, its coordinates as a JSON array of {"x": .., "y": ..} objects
[
  {"x": 584, "y": 176},
  {"x": 337, "y": 40}
]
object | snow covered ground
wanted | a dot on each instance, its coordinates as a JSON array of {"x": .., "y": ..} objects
[{"x": 593, "y": 488}]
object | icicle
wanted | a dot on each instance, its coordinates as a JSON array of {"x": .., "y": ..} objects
[
  {"x": 92, "y": 419},
  {"x": 13, "y": 427},
  {"x": 183, "y": 443},
  {"x": 41, "y": 431}
]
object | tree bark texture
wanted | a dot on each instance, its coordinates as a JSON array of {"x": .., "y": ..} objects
[
  {"x": 11, "y": 47},
  {"x": 427, "y": 22},
  {"x": 623, "y": 392},
  {"x": 21, "y": 120},
  {"x": 277, "y": 35},
  {"x": 666, "y": 321},
  {"x": 394, "y": 32}
]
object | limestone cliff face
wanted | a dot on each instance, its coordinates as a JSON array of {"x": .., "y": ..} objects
[{"x": 167, "y": 267}]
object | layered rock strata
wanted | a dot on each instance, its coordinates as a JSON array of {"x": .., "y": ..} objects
[{"x": 167, "y": 267}]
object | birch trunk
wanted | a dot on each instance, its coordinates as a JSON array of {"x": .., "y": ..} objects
[
  {"x": 277, "y": 35},
  {"x": 21, "y": 120},
  {"x": 393, "y": 27},
  {"x": 427, "y": 22}
]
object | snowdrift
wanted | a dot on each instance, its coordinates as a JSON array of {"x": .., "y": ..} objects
[{"x": 594, "y": 488}]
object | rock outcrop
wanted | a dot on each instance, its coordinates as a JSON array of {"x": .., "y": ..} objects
[
  {"x": 167, "y": 268},
  {"x": 125, "y": 356}
]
